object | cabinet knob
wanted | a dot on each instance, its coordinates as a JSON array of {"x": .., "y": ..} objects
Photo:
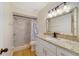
[{"x": 3, "y": 50}]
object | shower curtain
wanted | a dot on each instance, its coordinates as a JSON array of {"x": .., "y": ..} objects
[{"x": 34, "y": 30}]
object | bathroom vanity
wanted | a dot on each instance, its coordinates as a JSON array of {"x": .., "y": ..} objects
[
  {"x": 49, "y": 46},
  {"x": 66, "y": 42}
]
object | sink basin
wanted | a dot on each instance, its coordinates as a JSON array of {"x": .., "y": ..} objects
[{"x": 49, "y": 37}]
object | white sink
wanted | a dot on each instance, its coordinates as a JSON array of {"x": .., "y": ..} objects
[{"x": 49, "y": 37}]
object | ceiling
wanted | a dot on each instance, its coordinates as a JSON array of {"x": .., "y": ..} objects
[{"x": 30, "y": 6}]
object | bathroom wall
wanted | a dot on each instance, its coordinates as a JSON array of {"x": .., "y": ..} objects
[
  {"x": 24, "y": 12},
  {"x": 43, "y": 14},
  {"x": 6, "y": 30},
  {"x": 26, "y": 8}
]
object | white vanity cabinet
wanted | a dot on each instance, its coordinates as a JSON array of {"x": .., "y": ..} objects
[{"x": 44, "y": 48}]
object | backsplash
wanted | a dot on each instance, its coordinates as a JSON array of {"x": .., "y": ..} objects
[{"x": 68, "y": 37}]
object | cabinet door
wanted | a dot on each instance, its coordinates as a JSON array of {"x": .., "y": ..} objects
[
  {"x": 48, "y": 52},
  {"x": 63, "y": 52},
  {"x": 45, "y": 48},
  {"x": 49, "y": 48},
  {"x": 39, "y": 48}
]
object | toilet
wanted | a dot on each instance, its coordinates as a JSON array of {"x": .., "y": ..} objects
[{"x": 32, "y": 44}]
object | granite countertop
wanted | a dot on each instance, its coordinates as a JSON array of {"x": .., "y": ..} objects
[{"x": 70, "y": 45}]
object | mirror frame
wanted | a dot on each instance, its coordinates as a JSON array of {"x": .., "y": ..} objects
[{"x": 74, "y": 21}]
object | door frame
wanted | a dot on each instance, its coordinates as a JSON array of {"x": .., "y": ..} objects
[{"x": 26, "y": 45}]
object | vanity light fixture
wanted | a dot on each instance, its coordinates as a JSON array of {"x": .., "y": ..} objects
[
  {"x": 54, "y": 13},
  {"x": 58, "y": 11}
]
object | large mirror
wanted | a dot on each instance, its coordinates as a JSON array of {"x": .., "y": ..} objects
[{"x": 65, "y": 24}]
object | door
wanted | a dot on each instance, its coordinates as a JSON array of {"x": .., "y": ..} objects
[{"x": 22, "y": 31}]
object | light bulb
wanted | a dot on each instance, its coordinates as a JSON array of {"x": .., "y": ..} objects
[
  {"x": 67, "y": 8},
  {"x": 54, "y": 13},
  {"x": 49, "y": 15},
  {"x": 59, "y": 11}
]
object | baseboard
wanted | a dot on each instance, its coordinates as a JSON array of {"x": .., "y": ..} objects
[{"x": 21, "y": 47}]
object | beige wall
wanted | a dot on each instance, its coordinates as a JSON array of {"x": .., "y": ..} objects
[
  {"x": 6, "y": 20},
  {"x": 22, "y": 11}
]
